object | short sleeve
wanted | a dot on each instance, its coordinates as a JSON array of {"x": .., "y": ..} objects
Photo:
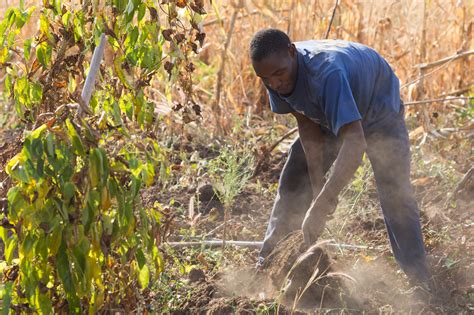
[
  {"x": 277, "y": 104},
  {"x": 339, "y": 105}
]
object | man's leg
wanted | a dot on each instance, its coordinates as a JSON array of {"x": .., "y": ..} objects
[
  {"x": 295, "y": 193},
  {"x": 389, "y": 154}
]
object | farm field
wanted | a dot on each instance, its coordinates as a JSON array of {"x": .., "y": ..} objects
[{"x": 140, "y": 160}]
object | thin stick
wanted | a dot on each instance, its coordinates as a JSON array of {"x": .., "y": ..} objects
[
  {"x": 332, "y": 18},
  {"x": 438, "y": 100},
  {"x": 217, "y": 228},
  {"x": 439, "y": 62},
  {"x": 267, "y": 152},
  {"x": 259, "y": 244},
  {"x": 215, "y": 243}
]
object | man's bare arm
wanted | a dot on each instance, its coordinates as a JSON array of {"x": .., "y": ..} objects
[
  {"x": 348, "y": 160},
  {"x": 313, "y": 144}
]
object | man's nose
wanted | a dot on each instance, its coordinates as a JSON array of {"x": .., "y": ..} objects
[{"x": 274, "y": 83}]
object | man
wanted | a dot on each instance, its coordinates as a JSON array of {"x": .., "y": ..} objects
[{"x": 346, "y": 101}]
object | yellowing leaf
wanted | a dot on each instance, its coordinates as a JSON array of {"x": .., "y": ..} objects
[
  {"x": 144, "y": 276},
  {"x": 105, "y": 199}
]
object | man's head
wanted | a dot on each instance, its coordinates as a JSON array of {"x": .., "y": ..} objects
[{"x": 274, "y": 59}]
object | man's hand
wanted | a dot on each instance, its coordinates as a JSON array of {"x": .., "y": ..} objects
[{"x": 316, "y": 216}]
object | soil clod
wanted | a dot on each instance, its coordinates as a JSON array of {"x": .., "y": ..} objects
[
  {"x": 196, "y": 275},
  {"x": 305, "y": 275}
]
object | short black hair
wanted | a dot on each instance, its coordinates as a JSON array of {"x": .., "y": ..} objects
[{"x": 268, "y": 41}]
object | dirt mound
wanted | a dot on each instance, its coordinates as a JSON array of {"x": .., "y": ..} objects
[
  {"x": 206, "y": 298},
  {"x": 306, "y": 276}
]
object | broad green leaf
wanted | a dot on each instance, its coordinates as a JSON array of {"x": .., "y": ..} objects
[
  {"x": 8, "y": 85},
  {"x": 15, "y": 169},
  {"x": 69, "y": 190},
  {"x": 3, "y": 234},
  {"x": 57, "y": 6},
  {"x": 21, "y": 94},
  {"x": 64, "y": 272},
  {"x": 23, "y": 16},
  {"x": 41, "y": 248},
  {"x": 7, "y": 298},
  {"x": 35, "y": 134},
  {"x": 27, "y": 48},
  {"x": 54, "y": 240},
  {"x": 72, "y": 84},
  {"x": 116, "y": 114},
  {"x": 45, "y": 304},
  {"x": 141, "y": 12},
  {"x": 120, "y": 73},
  {"x": 50, "y": 146},
  {"x": 78, "y": 27},
  {"x": 75, "y": 139},
  {"x": 17, "y": 202},
  {"x": 133, "y": 35},
  {"x": 95, "y": 167},
  {"x": 80, "y": 253},
  {"x": 120, "y": 4},
  {"x": 159, "y": 262},
  {"x": 140, "y": 258},
  {"x": 105, "y": 165},
  {"x": 36, "y": 93},
  {"x": 43, "y": 53},
  {"x": 27, "y": 246},
  {"x": 10, "y": 246},
  {"x": 66, "y": 18}
]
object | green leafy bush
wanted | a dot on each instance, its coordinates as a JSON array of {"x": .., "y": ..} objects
[{"x": 76, "y": 237}]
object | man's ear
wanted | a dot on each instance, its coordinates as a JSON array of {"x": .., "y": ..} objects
[{"x": 292, "y": 49}]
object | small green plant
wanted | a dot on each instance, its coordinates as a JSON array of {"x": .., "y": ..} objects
[{"x": 230, "y": 172}]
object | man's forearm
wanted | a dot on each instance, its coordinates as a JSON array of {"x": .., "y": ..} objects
[
  {"x": 313, "y": 145},
  {"x": 348, "y": 160}
]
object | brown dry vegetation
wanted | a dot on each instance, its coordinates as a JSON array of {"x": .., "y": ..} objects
[{"x": 406, "y": 33}]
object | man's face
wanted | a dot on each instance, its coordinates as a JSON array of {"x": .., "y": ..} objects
[{"x": 278, "y": 70}]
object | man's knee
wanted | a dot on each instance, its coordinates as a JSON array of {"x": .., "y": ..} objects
[{"x": 294, "y": 178}]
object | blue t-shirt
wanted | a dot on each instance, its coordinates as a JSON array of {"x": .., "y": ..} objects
[{"x": 339, "y": 82}]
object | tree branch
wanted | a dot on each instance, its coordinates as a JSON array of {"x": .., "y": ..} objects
[{"x": 462, "y": 54}]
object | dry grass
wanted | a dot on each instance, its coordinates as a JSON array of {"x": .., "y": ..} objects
[{"x": 394, "y": 28}]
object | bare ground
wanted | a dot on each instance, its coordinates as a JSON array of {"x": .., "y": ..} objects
[{"x": 366, "y": 281}]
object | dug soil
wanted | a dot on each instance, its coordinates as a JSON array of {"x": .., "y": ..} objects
[
  {"x": 306, "y": 275},
  {"x": 209, "y": 297}
]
